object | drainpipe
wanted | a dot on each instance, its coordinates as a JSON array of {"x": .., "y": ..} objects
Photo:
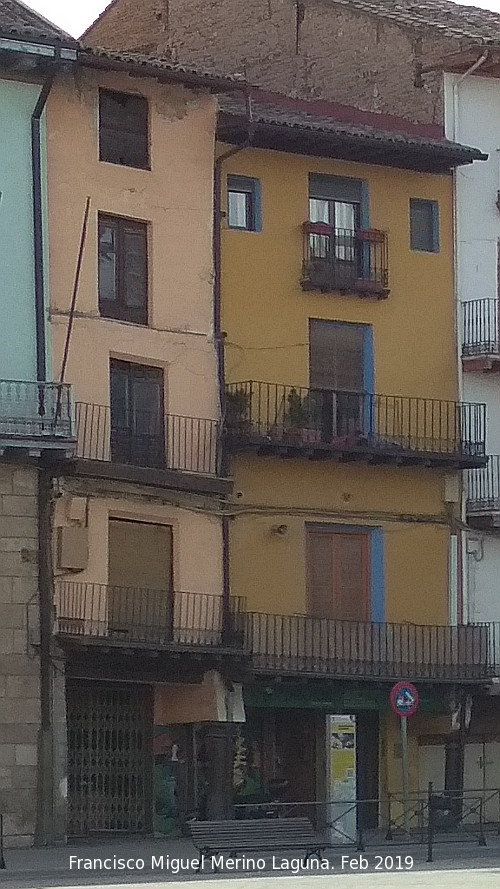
[
  {"x": 219, "y": 342},
  {"x": 36, "y": 155},
  {"x": 462, "y": 578},
  {"x": 44, "y": 832},
  {"x": 474, "y": 67}
]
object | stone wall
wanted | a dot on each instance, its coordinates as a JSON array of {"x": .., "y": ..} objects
[{"x": 19, "y": 664}]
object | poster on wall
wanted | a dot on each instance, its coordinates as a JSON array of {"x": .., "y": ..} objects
[{"x": 341, "y": 763}]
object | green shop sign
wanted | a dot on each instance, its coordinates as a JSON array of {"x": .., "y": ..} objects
[{"x": 334, "y": 697}]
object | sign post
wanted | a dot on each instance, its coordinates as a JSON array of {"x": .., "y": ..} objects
[{"x": 404, "y": 703}]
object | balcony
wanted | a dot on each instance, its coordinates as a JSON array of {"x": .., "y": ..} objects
[
  {"x": 480, "y": 335},
  {"x": 36, "y": 417},
  {"x": 345, "y": 261},
  {"x": 272, "y": 419},
  {"x": 299, "y": 645},
  {"x": 168, "y": 450},
  {"x": 483, "y": 496},
  {"x": 135, "y": 617}
]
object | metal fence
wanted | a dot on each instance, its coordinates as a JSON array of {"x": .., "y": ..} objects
[
  {"x": 345, "y": 260},
  {"x": 190, "y": 444},
  {"x": 35, "y": 410},
  {"x": 136, "y": 614},
  {"x": 480, "y": 330},
  {"x": 483, "y": 487},
  {"x": 425, "y": 818},
  {"x": 305, "y": 645},
  {"x": 393, "y": 425}
]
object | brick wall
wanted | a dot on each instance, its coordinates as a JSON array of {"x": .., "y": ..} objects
[
  {"x": 334, "y": 53},
  {"x": 131, "y": 24}
]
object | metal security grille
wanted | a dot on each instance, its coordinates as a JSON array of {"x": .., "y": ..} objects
[{"x": 109, "y": 759}]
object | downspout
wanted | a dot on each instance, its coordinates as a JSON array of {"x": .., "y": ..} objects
[
  {"x": 462, "y": 566},
  {"x": 454, "y": 771},
  {"x": 44, "y": 833},
  {"x": 477, "y": 64},
  {"x": 220, "y": 351},
  {"x": 38, "y": 241}
]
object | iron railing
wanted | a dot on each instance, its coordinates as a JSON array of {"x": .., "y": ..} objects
[
  {"x": 32, "y": 410},
  {"x": 169, "y": 441},
  {"x": 282, "y": 644},
  {"x": 136, "y": 614},
  {"x": 483, "y": 487},
  {"x": 427, "y": 818},
  {"x": 480, "y": 327},
  {"x": 305, "y": 645},
  {"x": 269, "y": 414},
  {"x": 345, "y": 260}
]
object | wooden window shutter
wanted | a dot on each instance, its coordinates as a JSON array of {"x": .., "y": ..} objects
[
  {"x": 320, "y": 574},
  {"x": 338, "y": 574},
  {"x": 351, "y": 580}
]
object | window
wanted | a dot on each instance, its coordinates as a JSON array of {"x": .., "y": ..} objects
[
  {"x": 244, "y": 204},
  {"x": 424, "y": 225},
  {"x": 139, "y": 577},
  {"x": 336, "y": 202},
  {"x": 137, "y": 416},
  {"x": 123, "y": 269},
  {"x": 123, "y": 129},
  {"x": 338, "y": 568},
  {"x": 340, "y": 374}
]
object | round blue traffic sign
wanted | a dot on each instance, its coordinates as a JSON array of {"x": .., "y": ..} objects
[{"x": 404, "y": 699}]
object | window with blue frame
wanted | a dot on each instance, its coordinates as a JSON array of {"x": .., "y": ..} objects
[
  {"x": 244, "y": 204},
  {"x": 341, "y": 378},
  {"x": 345, "y": 572},
  {"x": 424, "y": 225}
]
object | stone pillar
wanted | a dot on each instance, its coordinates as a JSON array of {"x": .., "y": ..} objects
[
  {"x": 219, "y": 747},
  {"x": 19, "y": 664}
]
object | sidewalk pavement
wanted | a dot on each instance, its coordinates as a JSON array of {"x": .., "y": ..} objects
[{"x": 157, "y": 860}]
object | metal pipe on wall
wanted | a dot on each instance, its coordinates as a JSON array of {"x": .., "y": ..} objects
[{"x": 219, "y": 342}]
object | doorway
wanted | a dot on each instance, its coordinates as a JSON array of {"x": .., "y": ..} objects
[
  {"x": 341, "y": 377},
  {"x": 109, "y": 758},
  {"x": 140, "y": 579}
]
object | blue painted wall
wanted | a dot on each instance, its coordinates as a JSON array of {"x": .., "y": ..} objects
[{"x": 17, "y": 288}]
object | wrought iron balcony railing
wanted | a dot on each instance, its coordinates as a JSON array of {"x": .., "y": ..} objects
[
  {"x": 271, "y": 417},
  {"x": 483, "y": 488},
  {"x": 480, "y": 328},
  {"x": 304, "y": 645},
  {"x": 274, "y": 643},
  {"x": 34, "y": 411},
  {"x": 188, "y": 444},
  {"x": 344, "y": 260},
  {"x": 154, "y": 617}
]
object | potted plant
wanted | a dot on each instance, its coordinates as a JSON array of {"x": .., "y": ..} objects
[
  {"x": 238, "y": 410},
  {"x": 301, "y": 419}
]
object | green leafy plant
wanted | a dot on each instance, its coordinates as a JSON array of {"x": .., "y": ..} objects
[
  {"x": 237, "y": 408},
  {"x": 302, "y": 416}
]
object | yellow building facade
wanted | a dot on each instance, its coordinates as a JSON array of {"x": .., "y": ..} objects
[
  {"x": 138, "y": 615},
  {"x": 339, "y": 318}
]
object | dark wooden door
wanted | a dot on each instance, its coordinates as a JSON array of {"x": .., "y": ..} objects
[
  {"x": 367, "y": 767},
  {"x": 137, "y": 414}
]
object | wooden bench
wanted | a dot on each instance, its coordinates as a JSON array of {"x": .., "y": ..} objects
[{"x": 255, "y": 835}]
